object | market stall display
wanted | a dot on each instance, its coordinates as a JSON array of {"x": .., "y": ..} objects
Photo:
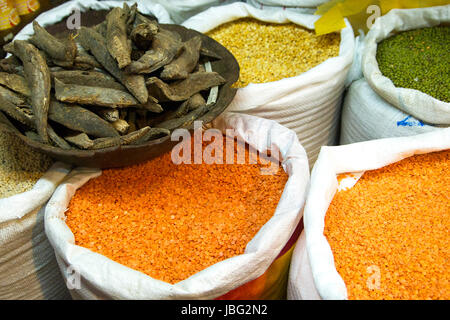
[
  {"x": 376, "y": 220},
  {"x": 205, "y": 256},
  {"x": 146, "y": 71}
]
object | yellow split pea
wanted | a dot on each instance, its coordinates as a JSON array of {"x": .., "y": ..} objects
[{"x": 269, "y": 52}]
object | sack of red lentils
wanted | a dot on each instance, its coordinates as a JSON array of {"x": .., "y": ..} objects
[
  {"x": 28, "y": 268},
  {"x": 403, "y": 61},
  {"x": 376, "y": 222},
  {"x": 193, "y": 230},
  {"x": 287, "y": 73}
]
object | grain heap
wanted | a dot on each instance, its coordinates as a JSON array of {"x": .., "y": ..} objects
[
  {"x": 418, "y": 59},
  {"x": 395, "y": 220},
  {"x": 269, "y": 52},
  {"x": 20, "y": 166},
  {"x": 171, "y": 221}
]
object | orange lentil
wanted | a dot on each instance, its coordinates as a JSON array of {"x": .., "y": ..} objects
[
  {"x": 393, "y": 225},
  {"x": 171, "y": 221}
]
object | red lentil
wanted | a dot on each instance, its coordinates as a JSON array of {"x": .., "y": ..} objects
[
  {"x": 397, "y": 219},
  {"x": 171, "y": 221}
]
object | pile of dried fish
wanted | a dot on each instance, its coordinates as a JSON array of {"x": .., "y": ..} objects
[{"x": 124, "y": 81}]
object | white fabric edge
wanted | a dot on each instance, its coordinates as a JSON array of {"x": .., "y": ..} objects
[
  {"x": 58, "y": 13},
  {"x": 124, "y": 283},
  {"x": 293, "y": 3},
  {"x": 411, "y": 101},
  {"x": 17, "y": 206},
  {"x": 362, "y": 156}
]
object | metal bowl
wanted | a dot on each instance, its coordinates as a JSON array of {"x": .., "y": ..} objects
[{"x": 127, "y": 155}]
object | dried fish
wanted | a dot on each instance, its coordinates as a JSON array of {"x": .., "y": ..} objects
[
  {"x": 153, "y": 133},
  {"x": 165, "y": 46},
  {"x": 73, "y": 93},
  {"x": 63, "y": 52},
  {"x": 116, "y": 36},
  {"x": 143, "y": 33},
  {"x": 15, "y": 82},
  {"x": 88, "y": 78},
  {"x": 16, "y": 112},
  {"x": 38, "y": 78},
  {"x": 195, "y": 101},
  {"x": 184, "y": 121},
  {"x": 152, "y": 107},
  {"x": 131, "y": 13},
  {"x": 185, "y": 63},
  {"x": 81, "y": 140},
  {"x": 95, "y": 43},
  {"x": 209, "y": 54},
  {"x": 11, "y": 64},
  {"x": 183, "y": 89},
  {"x": 80, "y": 119},
  {"x": 84, "y": 61},
  {"x": 101, "y": 143},
  {"x": 12, "y": 97},
  {"x": 109, "y": 114},
  {"x": 101, "y": 28},
  {"x": 121, "y": 126},
  {"x": 57, "y": 140}
]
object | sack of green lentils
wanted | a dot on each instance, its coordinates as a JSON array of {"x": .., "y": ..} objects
[
  {"x": 389, "y": 247},
  {"x": 406, "y": 67},
  {"x": 28, "y": 268},
  {"x": 258, "y": 272},
  {"x": 287, "y": 73}
]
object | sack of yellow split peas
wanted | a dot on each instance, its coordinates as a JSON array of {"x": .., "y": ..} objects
[
  {"x": 376, "y": 222},
  {"x": 403, "y": 89},
  {"x": 215, "y": 218},
  {"x": 287, "y": 73}
]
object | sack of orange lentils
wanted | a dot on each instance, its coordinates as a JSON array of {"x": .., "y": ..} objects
[
  {"x": 288, "y": 73},
  {"x": 215, "y": 218},
  {"x": 376, "y": 222}
]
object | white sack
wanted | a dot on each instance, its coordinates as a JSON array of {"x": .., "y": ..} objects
[
  {"x": 291, "y": 3},
  {"x": 102, "y": 278},
  {"x": 66, "y": 9},
  {"x": 313, "y": 274},
  {"x": 367, "y": 116},
  {"x": 308, "y": 104},
  {"x": 28, "y": 269},
  {"x": 181, "y": 10},
  {"x": 261, "y": 5},
  {"x": 413, "y": 102}
]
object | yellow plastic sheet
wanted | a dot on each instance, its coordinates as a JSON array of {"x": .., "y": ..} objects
[{"x": 356, "y": 11}]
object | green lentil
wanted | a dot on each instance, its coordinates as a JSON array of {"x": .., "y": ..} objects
[
  {"x": 20, "y": 166},
  {"x": 418, "y": 59},
  {"x": 269, "y": 52}
]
